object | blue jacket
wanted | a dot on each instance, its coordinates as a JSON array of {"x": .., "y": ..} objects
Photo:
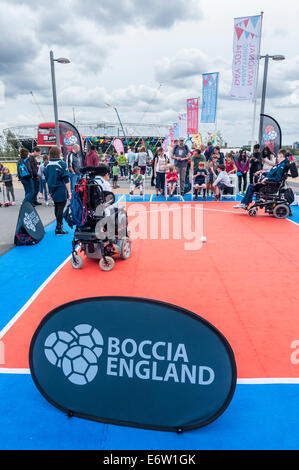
[
  {"x": 57, "y": 175},
  {"x": 276, "y": 172}
]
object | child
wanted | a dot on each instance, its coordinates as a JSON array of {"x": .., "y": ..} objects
[
  {"x": 160, "y": 171},
  {"x": 222, "y": 182},
  {"x": 115, "y": 174},
  {"x": 200, "y": 180},
  {"x": 212, "y": 172},
  {"x": 137, "y": 181},
  {"x": 171, "y": 179},
  {"x": 43, "y": 179},
  {"x": 8, "y": 185}
]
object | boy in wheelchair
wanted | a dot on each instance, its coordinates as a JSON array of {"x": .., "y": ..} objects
[{"x": 269, "y": 190}]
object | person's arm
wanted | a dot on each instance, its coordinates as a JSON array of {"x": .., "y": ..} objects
[
  {"x": 217, "y": 180},
  {"x": 155, "y": 167},
  {"x": 68, "y": 188}
]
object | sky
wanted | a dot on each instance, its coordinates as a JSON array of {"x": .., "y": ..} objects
[{"x": 146, "y": 57}]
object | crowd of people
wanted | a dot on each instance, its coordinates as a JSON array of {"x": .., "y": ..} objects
[{"x": 204, "y": 168}]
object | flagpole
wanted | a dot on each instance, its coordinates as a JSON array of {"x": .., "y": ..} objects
[
  {"x": 216, "y": 116},
  {"x": 256, "y": 87}
]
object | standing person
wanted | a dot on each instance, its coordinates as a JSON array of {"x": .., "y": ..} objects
[
  {"x": 137, "y": 181},
  {"x": 91, "y": 158},
  {"x": 24, "y": 172},
  {"x": 242, "y": 164},
  {"x": 160, "y": 171},
  {"x": 268, "y": 159},
  {"x": 208, "y": 152},
  {"x": 141, "y": 159},
  {"x": 34, "y": 159},
  {"x": 212, "y": 173},
  {"x": 8, "y": 184},
  {"x": 196, "y": 158},
  {"x": 122, "y": 161},
  {"x": 58, "y": 182},
  {"x": 230, "y": 166},
  {"x": 181, "y": 157},
  {"x": 131, "y": 159},
  {"x": 43, "y": 178},
  {"x": 255, "y": 162},
  {"x": 115, "y": 174},
  {"x": 74, "y": 161}
]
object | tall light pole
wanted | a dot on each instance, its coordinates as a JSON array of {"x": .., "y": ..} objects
[
  {"x": 266, "y": 57},
  {"x": 115, "y": 109},
  {"x": 61, "y": 60}
]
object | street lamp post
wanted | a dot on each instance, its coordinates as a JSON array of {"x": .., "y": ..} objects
[
  {"x": 61, "y": 60},
  {"x": 115, "y": 109},
  {"x": 266, "y": 57}
]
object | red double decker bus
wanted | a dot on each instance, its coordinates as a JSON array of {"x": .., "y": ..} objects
[{"x": 46, "y": 136}]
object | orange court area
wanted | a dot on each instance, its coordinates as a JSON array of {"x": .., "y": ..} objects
[{"x": 240, "y": 280}]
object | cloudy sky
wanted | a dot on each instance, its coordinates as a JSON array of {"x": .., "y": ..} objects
[{"x": 144, "y": 56}]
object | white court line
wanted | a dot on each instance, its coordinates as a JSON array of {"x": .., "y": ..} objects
[
  {"x": 32, "y": 298},
  {"x": 251, "y": 381}
]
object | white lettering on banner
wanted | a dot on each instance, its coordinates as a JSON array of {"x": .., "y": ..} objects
[{"x": 161, "y": 361}]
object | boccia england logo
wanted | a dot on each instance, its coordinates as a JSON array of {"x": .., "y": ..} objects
[{"x": 76, "y": 352}]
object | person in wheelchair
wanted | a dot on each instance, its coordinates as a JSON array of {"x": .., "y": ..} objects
[{"x": 272, "y": 176}]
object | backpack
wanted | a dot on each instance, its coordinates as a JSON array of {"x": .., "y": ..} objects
[
  {"x": 23, "y": 169},
  {"x": 76, "y": 212}
]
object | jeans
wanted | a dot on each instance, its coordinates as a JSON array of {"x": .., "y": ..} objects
[
  {"x": 73, "y": 180},
  {"x": 181, "y": 171},
  {"x": 28, "y": 188},
  {"x": 35, "y": 189},
  {"x": 244, "y": 178},
  {"x": 44, "y": 189},
  {"x": 249, "y": 193}
]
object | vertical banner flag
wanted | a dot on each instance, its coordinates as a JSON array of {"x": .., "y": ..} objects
[
  {"x": 271, "y": 134},
  {"x": 176, "y": 130},
  {"x": 171, "y": 136},
  {"x": 246, "y": 46},
  {"x": 209, "y": 97},
  {"x": 118, "y": 145},
  {"x": 69, "y": 136},
  {"x": 192, "y": 116},
  {"x": 183, "y": 125}
]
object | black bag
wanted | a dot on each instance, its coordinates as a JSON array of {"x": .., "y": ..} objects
[
  {"x": 30, "y": 229},
  {"x": 293, "y": 170},
  {"x": 289, "y": 195}
]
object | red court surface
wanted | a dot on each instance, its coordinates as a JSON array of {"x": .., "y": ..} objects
[{"x": 241, "y": 281}]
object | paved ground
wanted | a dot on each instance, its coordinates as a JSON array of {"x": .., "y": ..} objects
[{"x": 9, "y": 215}]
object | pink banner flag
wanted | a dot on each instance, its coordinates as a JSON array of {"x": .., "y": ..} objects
[
  {"x": 192, "y": 116},
  {"x": 118, "y": 145}
]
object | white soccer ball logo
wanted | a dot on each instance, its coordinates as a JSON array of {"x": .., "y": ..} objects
[{"x": 76, "y": 353}]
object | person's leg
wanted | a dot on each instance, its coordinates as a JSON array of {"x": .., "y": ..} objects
[
  {"x": 244, "y": 182},
  {"x": 240, "y": 183},
  {"x": 248, "y": 196},
  {"x": 183, "y": 178},
  {"x": 35, "y": 191},
  {"x": 59, "y": 208}
]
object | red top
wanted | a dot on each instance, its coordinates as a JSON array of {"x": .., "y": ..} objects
[
  {"x": 229, "y": 166},
  {"x": 171, "y": 177}
]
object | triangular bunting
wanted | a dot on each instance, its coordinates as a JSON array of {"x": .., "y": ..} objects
[
  {"x": 239, "y": 32},
  {"x": 246, "y": 22},
  {"x": 254, "y": 20}
]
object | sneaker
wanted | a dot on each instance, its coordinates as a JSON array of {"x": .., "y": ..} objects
[
  {"x": 60, "y": 232},
  {"x": 240, "y": 206},
  {"x": 131, "y": 193}
]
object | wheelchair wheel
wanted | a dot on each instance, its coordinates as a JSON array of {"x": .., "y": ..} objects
[
  {"x": 252, "y": 212},
  {"x": 125, "y": 251},
  {"x": 76, "y": 261},
  {"x": 281, "y": 211},
  {"x": 108, "y": 264}
]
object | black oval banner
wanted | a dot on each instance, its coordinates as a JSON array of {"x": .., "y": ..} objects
[{"x": 133, "y": 361}]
